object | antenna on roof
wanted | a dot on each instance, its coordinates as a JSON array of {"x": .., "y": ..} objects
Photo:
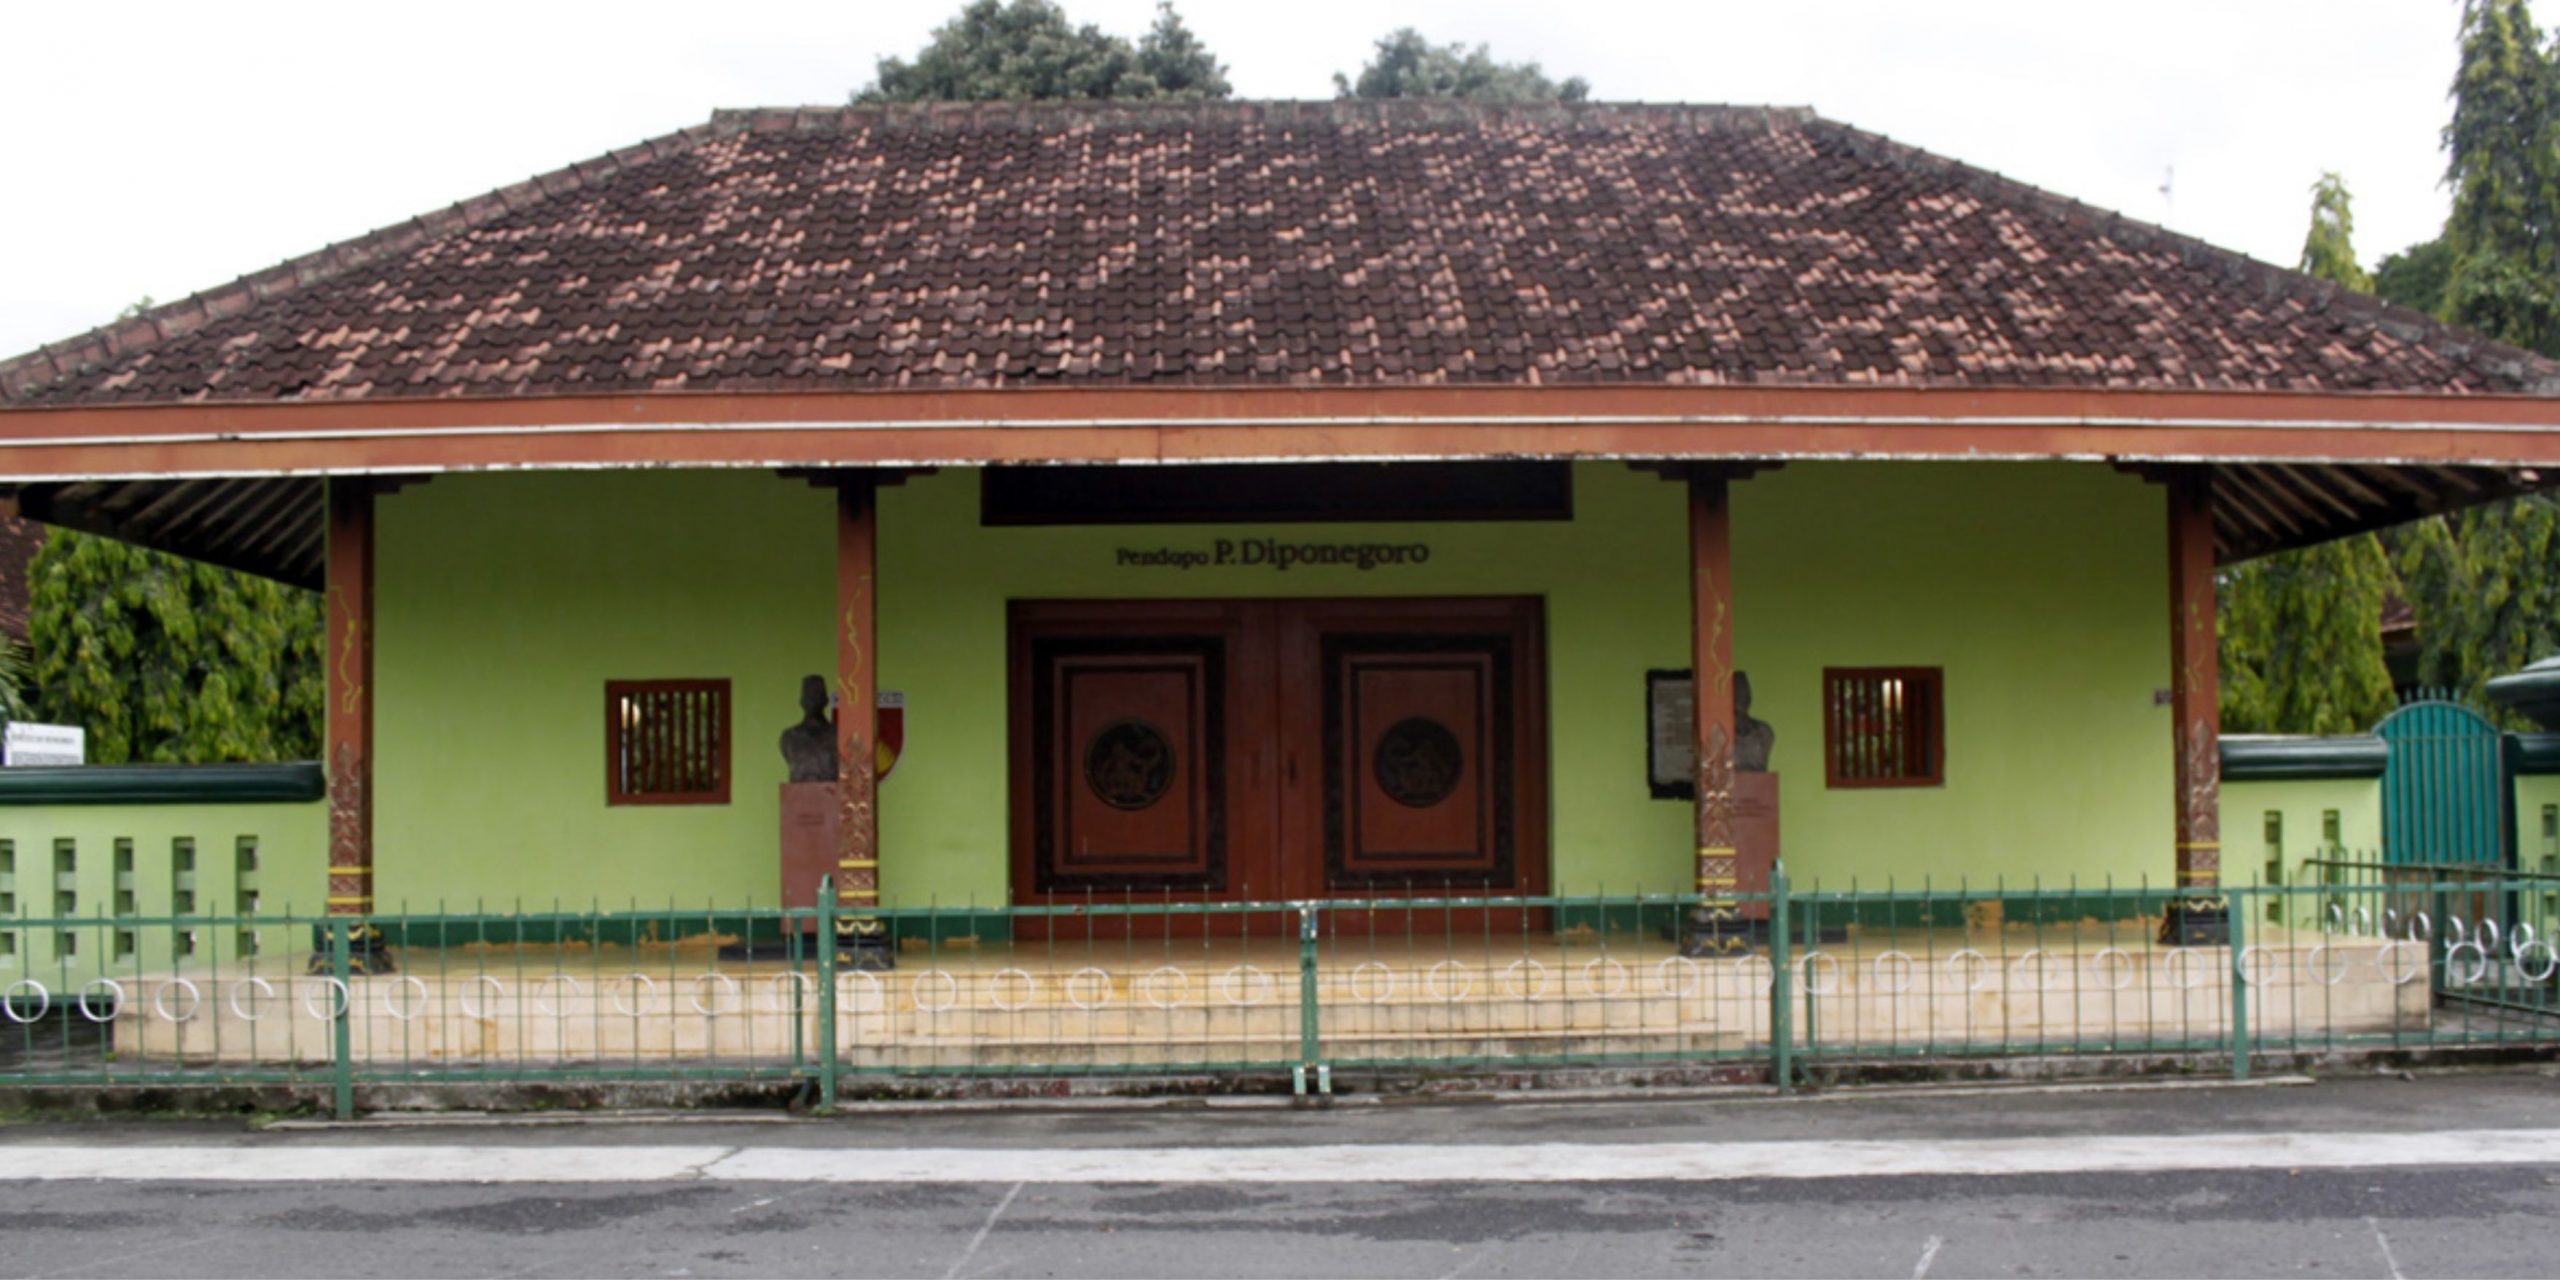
[{"x": 2168, "y": 201}]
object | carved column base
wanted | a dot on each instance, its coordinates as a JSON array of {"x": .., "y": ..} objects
[
  {"x": 864, "y": 945},
  {"x": 367, "y": 952},
  {"x": 1720, "y": 929},
  {"x": 2196, "y": 922}
]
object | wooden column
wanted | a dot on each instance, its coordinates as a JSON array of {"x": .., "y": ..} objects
[
  {"x": 862, "y": 938},
  {"x": 348, "y": 748},
  {"x": 1716, "y": 926},
  {"x": 2197, "y": 916}
]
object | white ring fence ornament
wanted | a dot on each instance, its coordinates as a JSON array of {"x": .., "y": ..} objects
[
  {"x": 1605, "y": 978},
  {"x": 558, "y": 984},
  {"x": 1384, "y": 993},
  {"x": 996, "y": 989},
  {"x": 2520, "y": 937},
  {"x": 264, "y": 1000},
  {"x": 2048, "y": 975},
  {"x": 2364, "y": 920},
  {"x": 391, "y": 1003},
  {"x": 641, "y": 989},
  {"x": 1524, "y": 979},
  {"x": 2185, "y": 971},
  {"x": 1768, "y": 973},
  {"x": 2412, "y": 962},
  {"x": 2390, "y": 920},
  {"x": 1907, "y": 968},
  {"x": 112, "y": 1010},
  {"x": 2474, "y": 969},
  {"x": 2421, "y": 927},
  {"x": 788, "y": 992},
  {"x": 1255, "y": 988},
  {"x": 1972, "y": 970},
  {"x": 11, "y": 1001},
  {"x": 2486, "y": 934},
  {"x": 1087, "y": 975},
  {"x": 949, "y": 990},
  {"x": 2454, "y": 929},
  {"x": 2334, "y": 920},
  {"x": 2317, "y": 963},
  {"x": 478, "y": 995},
  {"x": 852, "y": 987},
  {"x": 160, "y": 1000},
  {"x": 2255, "y": 964},
  {"x": 2525, "y": 968},
  {"x": 723, "y": 990},
  {"x": 1151, "y": 987},
  {"x": 1466, "y": 982},
  {"x": 2116, "y": 978},
  {"x": 340, "y": 998},
  {"x": 1805, "y": 973},
  {"x": 1692, "y": 980}
]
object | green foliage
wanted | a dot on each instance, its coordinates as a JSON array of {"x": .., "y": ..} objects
[
  {"x": 2503, "y": 163},
  {"x": 2328, "y": 251},
  {"x": 2301, "y": 639},
  {"x": 1408, "y": 66},
  {"x": 2415, "y": 277},
  {"x": 2486, "y": 585},
  {"x": 17, "y": 680},
  {"x": 2301, "y": 631},
  {"x": 1027, "y": 50},
  {"x": 166, "y": 660}
]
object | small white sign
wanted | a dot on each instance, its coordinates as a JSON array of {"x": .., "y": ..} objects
[{"x": 43, "y": 744}]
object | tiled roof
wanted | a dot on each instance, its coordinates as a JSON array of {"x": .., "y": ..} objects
[{"x": 1263, "y": 243}]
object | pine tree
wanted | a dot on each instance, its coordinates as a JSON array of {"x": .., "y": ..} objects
[{"x": 2503, "y": 163}]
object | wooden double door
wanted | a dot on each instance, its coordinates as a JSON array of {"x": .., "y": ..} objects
[{"x": 1228, "y": 750}]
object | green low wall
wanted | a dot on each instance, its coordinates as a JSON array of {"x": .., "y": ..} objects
[{"x": 110, "y": 845}]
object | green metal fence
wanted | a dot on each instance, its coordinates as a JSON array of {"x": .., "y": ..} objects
[{"x": 2353, "y": 955}]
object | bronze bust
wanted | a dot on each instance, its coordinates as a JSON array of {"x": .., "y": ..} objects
[
  {"x": 809, "y": 747},
  {"x": 1752, "y": 739}
]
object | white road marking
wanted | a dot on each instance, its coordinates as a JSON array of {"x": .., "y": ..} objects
[
  {"x": 291, "y": 1161},
  {"x": 983, "y": 1229},
  {"x": 1928, "y": 1254},
  {"x": 2389, "y": 1262}
]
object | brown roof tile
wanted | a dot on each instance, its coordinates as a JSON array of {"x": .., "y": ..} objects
[{"x": 976, "y": 245}]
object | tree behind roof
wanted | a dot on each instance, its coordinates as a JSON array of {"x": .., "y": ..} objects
[
  {"x": 1408, "y": 66},
  {"x": 165, "y": 660},
  {"x": 994, "y": 51},
  {"x": 2301, "y": 631}
]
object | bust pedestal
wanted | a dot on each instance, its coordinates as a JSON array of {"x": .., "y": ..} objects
[
  {"x": 1742, "y": 927},
  {"x": 809, "y": 823}
]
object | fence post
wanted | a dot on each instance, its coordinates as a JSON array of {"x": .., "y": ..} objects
[
  {"x": 1310, "y": 1072},
  {"x": 1782, "y": 1065},
  {"x": 826, "y": 941},
  {"x": 342, "y": 1064},
  {"x": 2238, "y": 916}
]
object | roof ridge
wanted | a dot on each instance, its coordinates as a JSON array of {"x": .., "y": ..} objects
[
  {"x": 167, "y": 320},
  {"x": 933, "y": 115},
  {"x": 2406, "y": 324}
]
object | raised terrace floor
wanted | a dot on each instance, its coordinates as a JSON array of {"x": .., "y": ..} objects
[{"x": 1195, "y": 1003}]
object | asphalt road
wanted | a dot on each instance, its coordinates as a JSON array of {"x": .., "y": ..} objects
[{"x": 1007, "y": 1213}]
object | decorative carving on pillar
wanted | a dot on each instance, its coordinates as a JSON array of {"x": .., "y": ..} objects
[
  {"x": 862, "y": 937},
  {"x": 349, "y": 730}
]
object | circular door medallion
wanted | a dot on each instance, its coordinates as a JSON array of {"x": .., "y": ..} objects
[
  {"x": 1418, "y": 762},
  {"x": 1129, "y": 764}
]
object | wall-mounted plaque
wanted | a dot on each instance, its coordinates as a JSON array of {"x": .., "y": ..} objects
[{"x": 1671, "y": 734}]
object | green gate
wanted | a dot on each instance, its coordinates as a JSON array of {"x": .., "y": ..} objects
[{"x": 2445, "y": 786}]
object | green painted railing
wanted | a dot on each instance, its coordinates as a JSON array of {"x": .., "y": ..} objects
[{"x": 1832, "y": 982}]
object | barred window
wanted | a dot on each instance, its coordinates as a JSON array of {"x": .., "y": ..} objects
[
  {"x": 1883, "y": 727},
  {"x": 666, "y": 741}
]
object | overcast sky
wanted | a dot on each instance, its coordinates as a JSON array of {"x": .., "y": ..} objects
[{"x": 161, "y": 148}]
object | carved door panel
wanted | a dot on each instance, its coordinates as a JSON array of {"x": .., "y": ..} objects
[
  {"x": 1135, "y": 741},
  {"x": 1226, "y": 750},
  {"x": 1424, "y": 725}
]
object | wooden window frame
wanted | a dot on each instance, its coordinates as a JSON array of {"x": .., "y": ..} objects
[
  {"x": 1933, "y": 735},
  {"x": 723, "y": 749}
]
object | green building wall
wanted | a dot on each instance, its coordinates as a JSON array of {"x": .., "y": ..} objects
[{"x": 504, "y": 602}]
